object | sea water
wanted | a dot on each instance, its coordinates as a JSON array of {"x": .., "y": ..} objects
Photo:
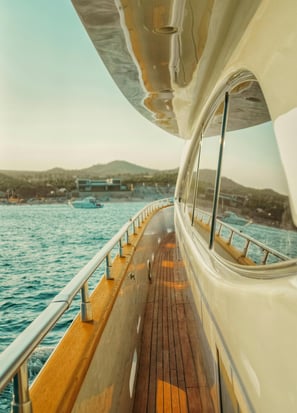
[{"x": 42, "y": 247}]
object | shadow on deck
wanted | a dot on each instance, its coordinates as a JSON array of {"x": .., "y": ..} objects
[{"x": 171, "y": 375}]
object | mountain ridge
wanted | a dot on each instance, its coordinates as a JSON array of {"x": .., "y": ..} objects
[{"x": 116, "y": 167}]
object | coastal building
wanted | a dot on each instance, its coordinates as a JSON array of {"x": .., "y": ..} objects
[{"x": 102, "y": 185}]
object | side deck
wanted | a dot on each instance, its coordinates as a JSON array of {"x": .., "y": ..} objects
[{"x": 171, "y": 376}]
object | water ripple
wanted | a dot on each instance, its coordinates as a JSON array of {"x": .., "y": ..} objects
[{"x": 42, "y": 248}]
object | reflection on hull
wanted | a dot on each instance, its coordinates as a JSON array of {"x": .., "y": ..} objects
[{"x": 232, "y": 218}]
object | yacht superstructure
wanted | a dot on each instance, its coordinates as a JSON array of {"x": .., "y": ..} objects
[{"x": 222, "y": 75}]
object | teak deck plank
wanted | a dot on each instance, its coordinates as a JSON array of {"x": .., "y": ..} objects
[{"x": 170, "y": 378}]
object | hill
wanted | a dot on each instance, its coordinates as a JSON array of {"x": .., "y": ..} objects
[
  {"x": 207, "y": 176},
  {"x": 111, "y": 169},
  {"x": 116, "y": 168},
  {"x": 28, "y": 184}
]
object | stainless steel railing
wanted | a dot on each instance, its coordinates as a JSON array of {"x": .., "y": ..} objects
[
  {"x": 248, "y": 242},
  {"x": 13, "y": 360}
]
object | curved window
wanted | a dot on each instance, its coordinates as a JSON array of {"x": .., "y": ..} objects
[
  {"x": 253, "y": 217},
  {"x": 192, "y": 185},
  {"x": 238, "y": 197},
  {"x": 206, "y": 175}
]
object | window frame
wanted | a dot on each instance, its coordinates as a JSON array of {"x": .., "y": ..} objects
[{"x": 195, "y": 153}]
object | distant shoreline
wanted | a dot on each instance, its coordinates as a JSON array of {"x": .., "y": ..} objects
[{"x": 61, "y": 201}]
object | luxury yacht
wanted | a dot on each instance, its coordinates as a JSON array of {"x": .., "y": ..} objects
[
  {"x": 193, "y": 314},
  {"x": 89, "y": 202}
]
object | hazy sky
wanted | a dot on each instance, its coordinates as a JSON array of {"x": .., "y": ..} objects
[
  {"x": 251, "y": 158},
  {"x": 59, "y": 106}
]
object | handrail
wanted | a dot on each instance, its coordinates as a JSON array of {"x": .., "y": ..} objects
[
  {"x": 15, "y": 356},
  {"x": 248, "y": 240}
]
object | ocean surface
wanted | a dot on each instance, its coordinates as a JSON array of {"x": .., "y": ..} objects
[{"x": 42, "y": 247}]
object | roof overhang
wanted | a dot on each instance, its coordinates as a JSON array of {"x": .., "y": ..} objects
[{"x": 161, "y": 53}]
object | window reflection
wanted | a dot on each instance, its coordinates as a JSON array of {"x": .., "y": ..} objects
[
  {"x": 192, "y": 186},
  {"x": 253, "y": 197},
  {"x": 208, "y": 161},
  {"x": 253, "y": 223}
]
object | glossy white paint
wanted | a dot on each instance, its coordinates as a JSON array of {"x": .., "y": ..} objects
[
  {"x": 251, "y": 322},
  {"x": 286, "y": 132},
  {"x": 248, "y": 314}
]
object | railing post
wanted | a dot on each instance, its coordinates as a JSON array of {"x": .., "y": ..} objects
[
  {"x": 127, "y": 237},
  {"x": 85, "y": 306},
  {"x": 134, "y": 228},
  {"x": 120, "y": 248},
  {"x": 21, "y": 402},
  {"x": 219, "y": 230},
  {"x": 108, "y": 266},
  {"x": 246, "y": 247},
  {"x": 264, "y": 260},
  {"x": 230, "y": 238}
]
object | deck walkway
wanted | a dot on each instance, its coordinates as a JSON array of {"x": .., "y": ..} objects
[{"x": 170, "y": 376}]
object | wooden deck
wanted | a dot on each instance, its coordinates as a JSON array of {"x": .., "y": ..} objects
[{"x": 170, "y": 376}]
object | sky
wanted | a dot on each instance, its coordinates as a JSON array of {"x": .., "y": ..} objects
[
  {"x": 59, "y": 106},
  {"x": 250, "y": 158}
]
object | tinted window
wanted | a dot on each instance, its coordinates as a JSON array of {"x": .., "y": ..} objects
[
  {"x": 192, "y": 185},
  {"x": 208, "y": 161},
  {"x": 253, "y": 223},
  {"x": 253, "y": 192}
]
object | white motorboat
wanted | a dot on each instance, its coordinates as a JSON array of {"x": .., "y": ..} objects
[
  {"x": 88, "y": 203},
  {"x": 231, "y": 218}
]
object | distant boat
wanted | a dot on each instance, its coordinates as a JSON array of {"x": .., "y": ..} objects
[
  {"x": 88, "y": 203},
  {"x": 231, "y": 218}
]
